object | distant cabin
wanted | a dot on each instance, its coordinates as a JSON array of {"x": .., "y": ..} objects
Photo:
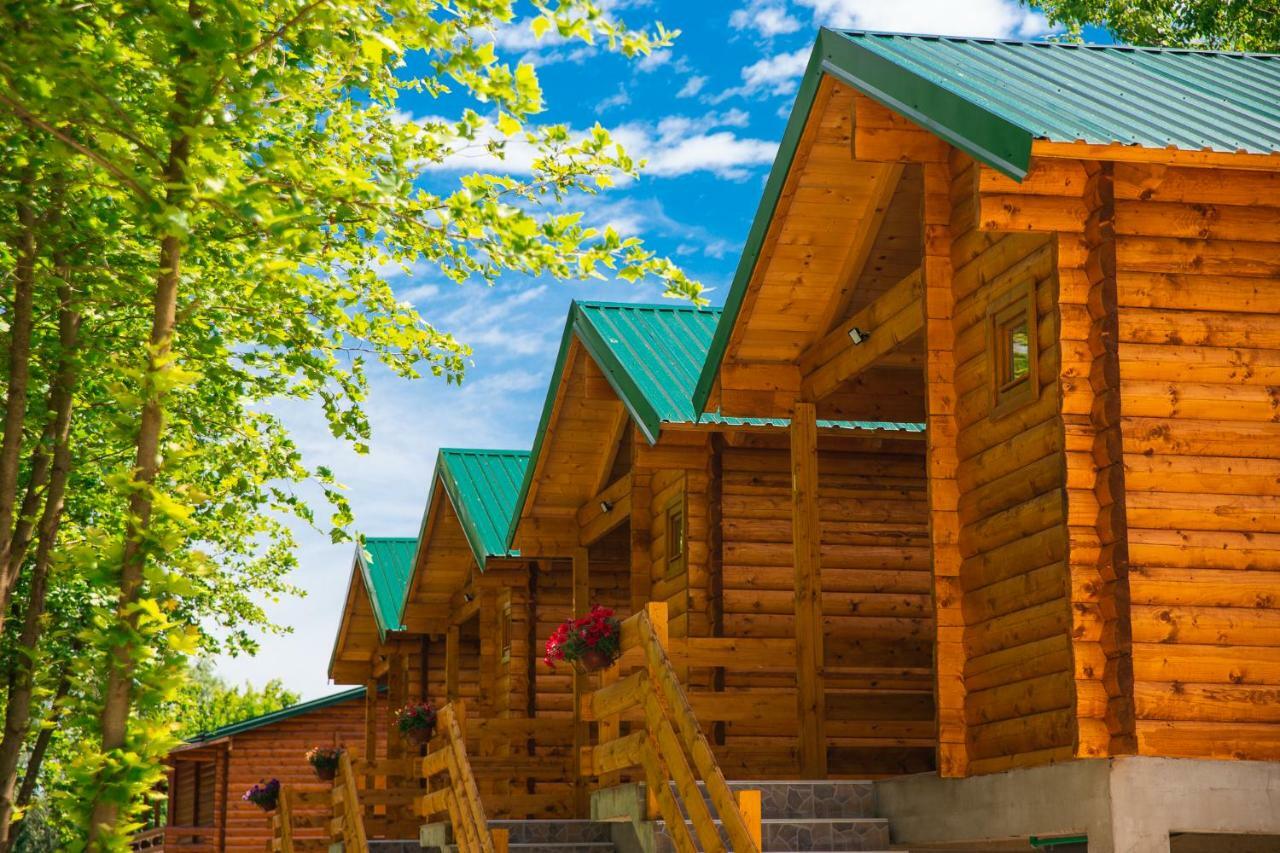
[{"x": 209, "y": 774}]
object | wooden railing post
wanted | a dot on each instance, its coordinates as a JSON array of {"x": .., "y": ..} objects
[
  {"x": 284, "y": 814},
  {"x": 751, "y": 809},
  {"x": 657, "y": 613}
]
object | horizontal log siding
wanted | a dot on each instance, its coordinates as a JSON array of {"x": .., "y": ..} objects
[
  {"x": 877, "y": 615},
  {"x": 279, "y": 751},
  {"x": 1198, "y": 275},
  {"x": 1018, "y": 707}
]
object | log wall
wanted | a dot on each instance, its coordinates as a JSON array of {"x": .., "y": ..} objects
[
  {"x": 1197, "y": 257},
  {"x": 1019, "y": 695},
  {"x": 875, "y": 600},
  {"x": 279, "y": 751}
]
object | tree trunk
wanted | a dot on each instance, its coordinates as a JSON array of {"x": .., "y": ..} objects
[
  {"x": 119, "y": 687},
  {"x": 39, "y": 749},
  {"x": 19, "y": 370},
  {"x": 17, "y": 722}
]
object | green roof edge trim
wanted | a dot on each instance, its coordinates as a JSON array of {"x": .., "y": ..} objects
[
  {"x": 379, "y": 618},
  {"x": 760, "y": 225},
  {"x": 988, "y": 137},
  {"x": 534, "y": 452},
  {"x": 635, "y": 403},
  {"x": 276, "y": 716},
  {"x": 469, "y": 526}
]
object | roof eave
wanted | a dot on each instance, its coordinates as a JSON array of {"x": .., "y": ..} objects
[
  {"x": 633, "y": 400},
  {"x": 517, "y": 512},
  {"x": 967, "y": 126}
]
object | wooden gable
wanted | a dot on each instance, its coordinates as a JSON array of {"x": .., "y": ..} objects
[
  {"x": 844, "y": 233},
  {"x": 576, "y": 459},
  {"x": 443, "y": 567}
]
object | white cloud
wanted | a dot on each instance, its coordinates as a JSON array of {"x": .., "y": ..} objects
[
  {"x": 618, "y": 99},
  {"x": 692, "y": 86},
  {"x": 773, "y": 75},
  {"x": 765, "y": 18},
  {"x": 674, "y": 146},
  {"x": 983, "y": 18}
]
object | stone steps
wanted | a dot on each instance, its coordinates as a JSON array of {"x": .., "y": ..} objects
[
  {"x": 801, "y": 834},
  {"x": 532, "y": 836}
]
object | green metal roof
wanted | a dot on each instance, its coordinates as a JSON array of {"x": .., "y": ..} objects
[
  {"x": 385, "y": 563},
  {"x": 992, "y": 98},
  {"x": 651, "y": 356},
  {"x": 277, "y": 716},
  {"x": 483, "y": 486}
]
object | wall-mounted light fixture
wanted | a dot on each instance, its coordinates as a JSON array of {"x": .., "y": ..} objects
[
  {"x": 858, "y": 336},
  {"x": 606, "y": 507},
  {"x": 468, "y": 597}
]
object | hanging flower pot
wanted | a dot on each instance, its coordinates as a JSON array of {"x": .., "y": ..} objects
[
  {"x": 591, "y": 643},
  {"x": 324, "y": 760},
  {"x": 416, "y": 722},
  {"x": 264, "y": 795}
]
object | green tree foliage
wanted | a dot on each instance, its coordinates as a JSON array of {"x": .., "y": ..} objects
[
  {"x": 199, "y": 200},
  {"x": 207, "y": 702},
  {"x": 1244, "y": 25}
]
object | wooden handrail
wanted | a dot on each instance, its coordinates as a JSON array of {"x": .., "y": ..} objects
[
  {"x": 670, "y": 747},
  {"x": 347, "y": 825},
  {"x": 459, "y": 798}
]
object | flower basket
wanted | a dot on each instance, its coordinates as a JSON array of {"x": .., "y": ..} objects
[
  {"x": 264, "y": 795},
  {"x": 594, "y": 660},
  {"x": 324, "y": 760},
  {"x": 591, "y": 643},
  {"x": 416, "y": 722}
]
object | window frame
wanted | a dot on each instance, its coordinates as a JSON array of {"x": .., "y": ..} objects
[
  {"x": 1012, "y": 309},
  {"x": 675, "y": 561}
]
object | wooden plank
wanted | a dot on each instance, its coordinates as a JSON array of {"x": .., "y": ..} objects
[
  {"x": 806, "y": 543},
  {"x": 890, "y": 320}
]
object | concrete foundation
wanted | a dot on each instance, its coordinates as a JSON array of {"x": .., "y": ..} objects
[{"x": 1133, "y": 804}]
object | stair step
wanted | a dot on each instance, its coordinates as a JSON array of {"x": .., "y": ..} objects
[
  {"x": 554, "y": 831},
  {"x": 805, "y": 834},
  {"x": 803, "y": 800}
]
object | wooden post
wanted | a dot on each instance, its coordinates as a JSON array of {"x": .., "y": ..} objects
[
  {"x": 751, "y": 809},
  {"x": 395, "y": 701},
  {"x": 641, "y": 581},
  {"x": 581, "y": 728},
  {"x": 658, "y": 618},
  {"x": 370, "y": 729},
  {"x": 806, "y": 536},
  {"x": 452, "y": 651},
  {"x": 943, "y": 492}
]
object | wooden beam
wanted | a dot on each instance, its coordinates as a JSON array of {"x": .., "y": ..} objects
[
  {"x": 641, "y": 575},
  {"x": 1171, "y": 156},
  {"x": 617, "y": 430},
  {"x": 892, "y": 319},
  {"x": 594, "y": 521},
  {"x": 370, "y": 725},
  {"x": 806, "y": 536},
  {"x": 452, "y": 654},
  {"x": 943, "y": 493},
  {"x": 581, "y": 728},
  {"x": 882, "y": 136},
  {"x": 879, "y": 196}
]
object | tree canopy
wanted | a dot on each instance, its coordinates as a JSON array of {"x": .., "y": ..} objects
[
  {"x": 202, "y": 199},
  {"x": 1242, "y": 25}
]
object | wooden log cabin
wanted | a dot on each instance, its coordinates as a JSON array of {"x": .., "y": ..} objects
[
  {"x": 639, "y": 499},
  {"x": 453, "y": 616},
  {"x": 1071, "y": 255},
  {"x": 209, "y": 774}
]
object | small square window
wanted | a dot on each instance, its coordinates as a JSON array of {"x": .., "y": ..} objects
[
  {"x": 675, "y": 538},
  {"x": 1012, "y": 347}
]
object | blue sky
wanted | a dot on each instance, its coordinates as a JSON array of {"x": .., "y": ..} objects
[{"x": 707, "y": 115}]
